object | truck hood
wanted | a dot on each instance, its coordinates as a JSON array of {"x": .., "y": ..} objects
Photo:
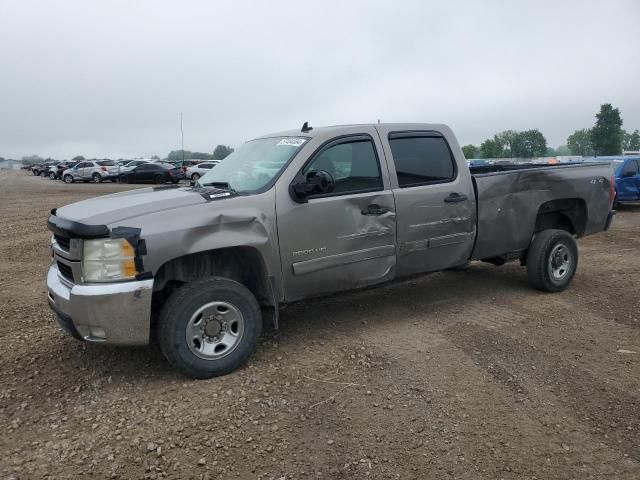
[{"x": 118, "y": 207}]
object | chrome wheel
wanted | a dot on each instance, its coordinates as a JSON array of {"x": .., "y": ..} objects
[
  {"x": 560, "y": 261},
  {"x": 215, "y": 330}
]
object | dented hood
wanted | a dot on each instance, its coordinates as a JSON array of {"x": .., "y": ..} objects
[{"x": 118, "y": 207}]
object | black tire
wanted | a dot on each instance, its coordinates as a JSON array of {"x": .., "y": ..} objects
[
  {"x": 52, "y": 176},
  {"x": 183, "y": 304},
  {"x": 96, "y": 178},
  {"x": 35, "y": 172},
  {"x": 68, "y": 178},
  {"x": 159, "y": 179},
  {"x": 546, "y": 258},
  {"x": 195, "y": 177}
]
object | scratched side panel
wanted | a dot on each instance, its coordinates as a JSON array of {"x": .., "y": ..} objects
[{"x": 508, "y": 203}]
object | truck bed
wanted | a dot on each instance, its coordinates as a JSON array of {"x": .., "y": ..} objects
[{"x": 510, "y": 197}]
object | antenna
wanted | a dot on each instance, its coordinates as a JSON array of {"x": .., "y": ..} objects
[
  {"x": 182, "y": 139},
  {"x": 305, "y": 127}
]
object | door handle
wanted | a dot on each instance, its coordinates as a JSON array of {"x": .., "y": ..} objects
[
  {"x": 374, "y": 209},
  {"x": 455, "y": 198}
]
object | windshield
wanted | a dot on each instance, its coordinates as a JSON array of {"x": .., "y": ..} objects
[{"x": 255, "y": 164}]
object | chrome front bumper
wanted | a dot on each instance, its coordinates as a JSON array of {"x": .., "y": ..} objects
[{"x": 113, "y": 313}]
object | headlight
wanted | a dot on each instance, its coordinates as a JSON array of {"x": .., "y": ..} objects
[{"x": 107, "y": 260}]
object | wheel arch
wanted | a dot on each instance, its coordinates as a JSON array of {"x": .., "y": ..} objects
[
  {"x": 569, "y": 214},
  {"x": 243, "y": 264}
]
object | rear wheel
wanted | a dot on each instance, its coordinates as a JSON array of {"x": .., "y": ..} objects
[
  {"x": 158, "y": 179},
  {"x": 35, "y": 172},
  {"x": 52, "y": 175},
  {"x": 209, "y": 327},
  {"x": 552, "y": 260},
  {"x": 68, "y": 179},
  {"x": 96, "y": 178},
  {"x": 195, "y": 177}
]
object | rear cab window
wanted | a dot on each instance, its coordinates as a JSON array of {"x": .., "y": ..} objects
[
  {"x": 421, "y": 158},
  {"x": 630, "y": 168}
]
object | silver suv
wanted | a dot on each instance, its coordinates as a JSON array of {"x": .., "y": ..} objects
[{"x": 94, "y": 171}]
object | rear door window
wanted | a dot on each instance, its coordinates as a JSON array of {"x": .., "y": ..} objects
[{"x": 421, "y": 159}]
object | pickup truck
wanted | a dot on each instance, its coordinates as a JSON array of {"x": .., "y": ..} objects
[
  {"x": 627, "y": 174},
  {"x": 300, "y": 214}
]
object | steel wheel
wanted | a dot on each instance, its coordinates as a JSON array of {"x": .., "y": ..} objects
[
  {"x": 560, "y": 261},
  {"x": 214, "y": 330}
]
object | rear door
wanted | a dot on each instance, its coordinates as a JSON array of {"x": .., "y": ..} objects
[
  {"x": 629, "y": 181},
  {"x": 83, "y": 167},
  {"x": 344, "y": 239},
  {"x": 435, "y": 200}
]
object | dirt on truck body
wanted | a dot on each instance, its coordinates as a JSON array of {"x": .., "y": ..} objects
[{"x": 468, "y": 375}]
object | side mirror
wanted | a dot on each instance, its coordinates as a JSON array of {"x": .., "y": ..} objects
[{"x": 317, "y": 182}]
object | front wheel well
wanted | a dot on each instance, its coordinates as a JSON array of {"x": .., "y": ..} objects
[{"x": 242, "y": 264}]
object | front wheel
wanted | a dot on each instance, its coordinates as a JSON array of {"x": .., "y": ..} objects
[
  {"x": 52, "y": 176},
  {"x": 96, "y": 178},
  {"x": 68, "y": 179},
  {"x": 552, "y": 260},
  {"x": 209, "y": 327},
  {"x": 35, "y": 172},
  {"x": 195, "y": 177},
  {"x": 158, "y": 179}
]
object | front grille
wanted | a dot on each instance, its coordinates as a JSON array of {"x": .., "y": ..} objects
[
  {"x": 65, "y": 271},
  {"x": 63, "y": 242}
]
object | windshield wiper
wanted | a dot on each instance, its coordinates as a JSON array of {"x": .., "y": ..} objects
[{"x": 221, "y": 186}]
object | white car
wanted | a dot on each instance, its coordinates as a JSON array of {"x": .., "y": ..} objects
[
  {"x": 127, "y": 167},
  {"x": 92, "y": 171},
  {"x": 194, "y": 172}
]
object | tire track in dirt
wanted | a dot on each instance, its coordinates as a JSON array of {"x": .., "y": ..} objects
[{"x": 610, "y": 414}]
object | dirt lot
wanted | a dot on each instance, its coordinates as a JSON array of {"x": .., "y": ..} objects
[{"x": 467, "y": 375}]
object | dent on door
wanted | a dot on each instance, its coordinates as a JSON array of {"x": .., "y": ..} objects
[{"x": 351, "y": 247}]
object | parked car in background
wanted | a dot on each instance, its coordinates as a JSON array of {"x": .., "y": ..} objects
[
  {"x": 153, "y": 173},
  {"x": 55, "y": 171},
  {"x": 128, "y": 166},
  {"x": 95, "y": 171},
  {"x": 42, "y": 169},
  {"x": 194, "y": 172},
  {"x": 627, "y": 172},
  {"x": 479, "y": 162}
]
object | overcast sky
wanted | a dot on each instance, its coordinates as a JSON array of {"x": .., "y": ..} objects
[{"x": 110, "y": 78}]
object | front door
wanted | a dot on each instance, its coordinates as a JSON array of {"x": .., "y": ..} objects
[
  {"x": 344, "y": 239},
  {"x": 435, "y": 201}
]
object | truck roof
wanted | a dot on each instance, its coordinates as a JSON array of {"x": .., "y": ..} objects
[{"x": 333, "y": 130}]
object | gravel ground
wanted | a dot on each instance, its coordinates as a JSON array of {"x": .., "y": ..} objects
[{"x": 467, "y": 375}]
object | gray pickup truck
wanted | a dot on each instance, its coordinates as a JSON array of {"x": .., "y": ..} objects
[{"x": 304, "y": 213}]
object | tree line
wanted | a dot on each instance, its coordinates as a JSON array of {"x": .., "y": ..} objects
[{"x": 606, "y": 137}]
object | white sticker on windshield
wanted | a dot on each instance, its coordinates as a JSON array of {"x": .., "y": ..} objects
[{"x": 290, "y": 142}]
